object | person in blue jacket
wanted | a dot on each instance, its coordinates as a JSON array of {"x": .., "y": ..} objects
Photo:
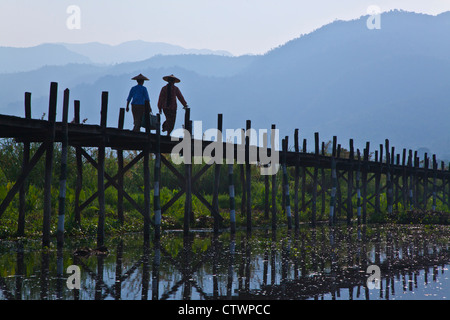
[{"x": 138, "y": 97}]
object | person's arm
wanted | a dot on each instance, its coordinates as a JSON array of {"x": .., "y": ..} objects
[
  {"x": 147, "y": 99},
  {"x": 162, "y": 99},
  {"x": 130, "y": 95},
  {"x": 181, "y": 98}
]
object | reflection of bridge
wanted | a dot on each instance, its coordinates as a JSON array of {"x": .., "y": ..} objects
[
  {"x": 350, "y": 278},
  {"x": 300, "y": 266},
  {"x": 404, "y": 182}
]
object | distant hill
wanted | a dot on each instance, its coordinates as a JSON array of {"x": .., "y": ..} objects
[
  {"x": 31, "y": 58},
  {"x": 25, "y": 59},
  {"x": 342, "y": 79},
  {"x": 133, "y": 51}
]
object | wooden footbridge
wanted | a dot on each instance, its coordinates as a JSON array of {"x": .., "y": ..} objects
[{"x": 400, "y": 177}]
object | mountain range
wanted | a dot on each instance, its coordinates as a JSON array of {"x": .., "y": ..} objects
[
  {"x": 59, "y": 54},
  {"x": 342, "y": 79}
]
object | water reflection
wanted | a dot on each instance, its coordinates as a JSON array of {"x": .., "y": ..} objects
[{"x": 321, "y": 263}]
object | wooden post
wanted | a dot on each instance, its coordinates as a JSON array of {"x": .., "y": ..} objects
[
  {"x": 274, "y": 190},
  {"x": 266, "y": 183},
  {"x": 63, "y": 172},
  {"x": 396, "y": 179},
  {"x": 101, "y": 172},
  {"x": 79, "y": 161},
  {"x": 444, "y": 196},
  {"x": 404, "y": 181},
  {"x": 232, "y": 200},
  {"x": 147, "y": 188},
  {"x": 217, "y": 167},
  {"x": 188, "y": 176},
  {"x": 448, "y": 182},
  {"x": 283, "y": 181},
  {"x": 49, "y": 165},
  {"x": 364, "y": 182},
  {"x": 425, "y": 181},
  {"x": 296, "y": 180},
  {"x": 286, "y": 186},
  {"x": 350, "y": 185},
  {"x": 266, "y": 197},
  {"x": 156, "y": 187},
  {"x": 333, "y": 183},
  {"x": 120, "y": 172},
  {"x": 242, "y": 173},
  {"x": 316, "y": 171},
  {"x": 411, "y": 180},
  {"x": 389, "y": 191},
  {"x": 434, "y": 182},
  {"x": 358, "y": 190},
  {"x": 339, "y": 192},
  {"x": 304, "y": 179},
  {"x": 322, "y": 188},
  {"x": 248, "y": 176},
  {"x": 416, "y": 180},
  {"x": 25, "y": 160}
]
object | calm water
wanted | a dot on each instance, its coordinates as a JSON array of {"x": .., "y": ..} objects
[{"x": 309, "y": 264}]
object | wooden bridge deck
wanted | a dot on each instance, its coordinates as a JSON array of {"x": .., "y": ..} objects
[
  {"x": 89, "y": 135},
  {"x": 356, "y": 169}
]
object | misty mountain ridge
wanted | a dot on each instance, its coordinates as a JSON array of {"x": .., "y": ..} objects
[
  {"x": 58, "y": 54},
  {"x": 342, "y": 79}
]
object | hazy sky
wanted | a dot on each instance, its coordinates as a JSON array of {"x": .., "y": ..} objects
[{"x": 238, "y": 26}]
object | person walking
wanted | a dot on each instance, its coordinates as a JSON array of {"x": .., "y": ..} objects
[
  {"x": 168, "y": 102},
  {"x": 138, "y": 97}
]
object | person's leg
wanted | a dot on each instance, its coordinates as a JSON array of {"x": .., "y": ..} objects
[
  {"x": 171, "y": 116},
  {"x": 138, "y": 111}
]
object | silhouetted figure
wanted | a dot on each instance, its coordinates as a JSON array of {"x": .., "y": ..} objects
[
  {"x": 138, "y": 97},
  {"x": 168, "y": 102}
]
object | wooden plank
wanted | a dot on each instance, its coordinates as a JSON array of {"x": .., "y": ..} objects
[
  {"x": 350, "y": 185},
  {"x": 242, "y": 175},
  {"x": 322, "y": 183},
  {"x": 389, "y": 190},
  {"x": 434, "y": 182},
  {"x": 188, "y": 180},
  {"x": 157, "y": 173},
  {"x": 25, "y": 160},
  {"x": 304, "y": 178},
  {"x": 333, "y": 184},
  {"x": 217, "y": 168},
  {"x": 146, "y": 150},
  {"x": 286, "y": 185},
  {"x": 296, "y": 179},
  {"x": 248, "y": 176},
  {"x": 316, "y": 172},
  {"x": 49, "y": 165},
  {"x": 411, "y": 180},
  {"x": 365, "y": 182},
  {"x": 101, "y": 172},
  {"x": 358, "y": 189},
  {"x": 63, "y": 171},
  {"x": 120, "y": 216},
  {"x": 79, "y": 165},
  {"x": 232, "y": 200},
  {"x": 425, "y": 182}
]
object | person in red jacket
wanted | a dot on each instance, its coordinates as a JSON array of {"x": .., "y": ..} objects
[{"x": 168, "y": 102}]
